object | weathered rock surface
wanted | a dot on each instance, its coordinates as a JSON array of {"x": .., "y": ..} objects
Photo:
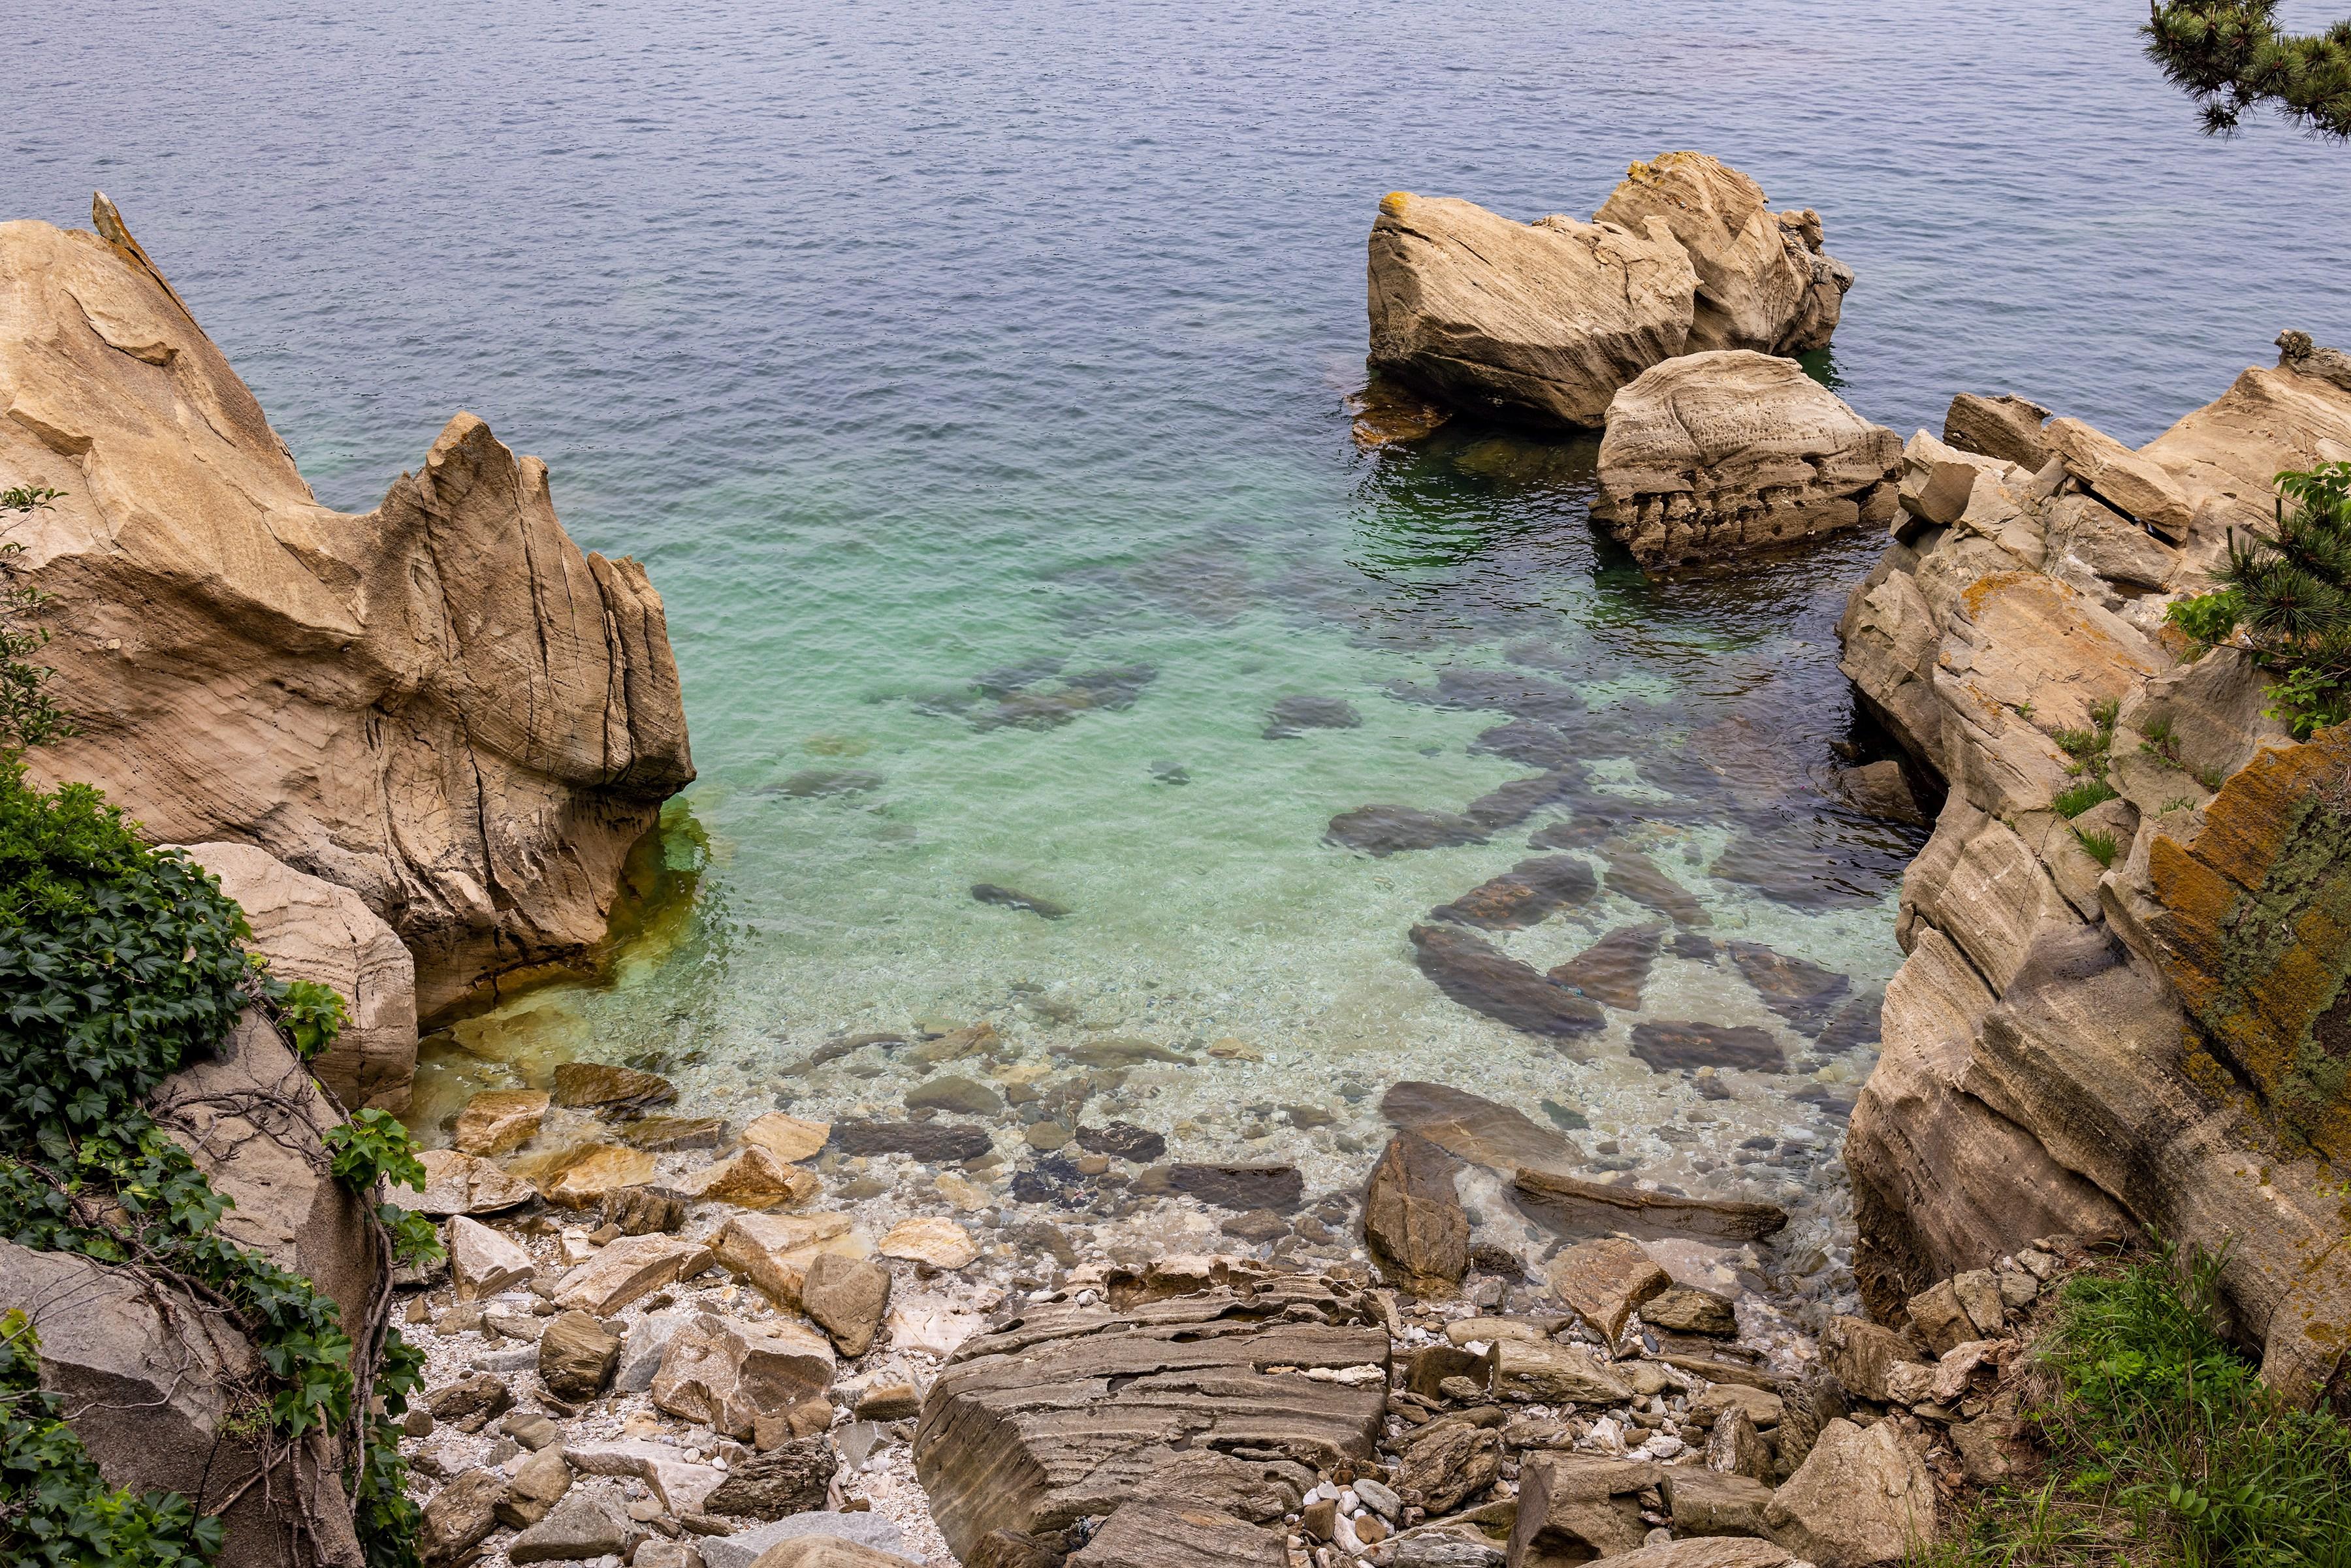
[
  {"x": 1605, "y": 1281},
  {"x": 2074, "y": 1048},
  {"x": 460, "y": 1183},
  {"x": 498, "y": 1121},
  {"x": 2005, "y": 427},
  {"x": 1573, "y": 1508},
  {"x": 1763, "y": 281},
  {"x": 254, "y": 1120},
  {"x": 845, "y": 1297},
  {"x": 1412, "y": 1219},
  {"x": 1174, "y": 1535},
  {"x": 1860, "y": 1498},
  {"x": 780, "y": 1483},
  {"x": 775, "y": 1251},
  {"x": 443, "y": 705},
  {"x": 1065, "y": 1411},
  {"x": 1538, "y": 322},
  {"x": 152, "y": 1395},
  {"x": 1716, "y": 455},
  {"x": 726, "y": 1374},
  {"x": 1542, "y": 322},
  {"x": 577, "y": 1356},
  {"x": 483, "y": 1261},
  {"x": 311, "y": 929}
]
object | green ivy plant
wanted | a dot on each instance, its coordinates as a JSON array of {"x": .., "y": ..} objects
[
  {"x": 28, "y": 716},
  {"x": 119, "y": 964}
]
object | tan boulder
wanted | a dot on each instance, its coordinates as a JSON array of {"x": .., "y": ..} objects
[
  {"x": 1763, "y": 282},
  {"x": 253, "y": 1119},
  {"x": 498, "y": 1121},
  {"x": 626, "y": 1269},
  {"x": 2006, "y": 427},
  {"x": 1718, "y": 455},
  {"x": 1602, "y": 1281},
  {"x": 579, "y": 1176},
  {"x": 483, "y": 1261},
  {"x": 1538, "y": 322},
  {"x": 940, "y": 1243},
  {"x": 477, "y": 786},
  {"x": 1550, "y": 1373},
  {"x": 458, "y": 1183},
  {"x": 788, "y": 1138},
  {"x": 1412, "y": 1219},
  {"x": 773, "y": 1252},
  {"x": 726, "y": 1374},
  {"x": 2226, "y": 456},
  {"x": 1860, "y": 1498},
  {"x": 603, "y": 1085},
  {"x": 752, "y": 1179},
  {"x": 2134, "y": 485},
  {"x": 310, "y": 929}
]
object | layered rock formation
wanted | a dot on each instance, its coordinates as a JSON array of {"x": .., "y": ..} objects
[
  {"x": 1717, "y": 454},
  {"x": 1542, "y": 323},
  {"x": 442, "y": 704},
  {"x": 2123, "y": 1004}
]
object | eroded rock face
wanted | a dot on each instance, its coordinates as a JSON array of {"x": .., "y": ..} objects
[
  {"x": 1067, "y": 1411},
  {"x": 443, "y": 705},
  {"x": 1716, "y": 454},
  {"x": 1542, "y": 322},
  {"x": 2082, "y": 1044},
  {"x": 310, "y": 929},
  {"x": 1763, "y": 281},
  {"x": 1539, "y": 321}
]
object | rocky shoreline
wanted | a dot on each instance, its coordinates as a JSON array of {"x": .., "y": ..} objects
[{"x": 1000, "y": 1322}]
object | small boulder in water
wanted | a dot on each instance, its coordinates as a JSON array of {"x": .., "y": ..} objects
[
  {"x": 1798, "y": 989},
  {"x": 990, "y": 892},
  {"x": 1671, "y": 1047},
  {"x": 1485, "y": 980},
  {"x": 1384, "y": 831},
  {"x": 1293, "y": 716},
  {"x": 1523, "y": 896},
  {"x": 1615, "y": 968},
  {"x": 815, "y": 783}
]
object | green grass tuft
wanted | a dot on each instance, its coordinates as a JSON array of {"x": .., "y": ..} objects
[
  {"x": 2090, "y": 792},
  {"x": 2163, "y": 1445},
  {"x": 2099, "y": 846}
]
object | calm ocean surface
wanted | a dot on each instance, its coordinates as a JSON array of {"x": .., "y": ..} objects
[{"x": 942, "y": 357}]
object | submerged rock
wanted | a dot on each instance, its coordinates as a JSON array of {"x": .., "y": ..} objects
[
  {"x": 1614, "y": 970},
  {"x": 581, "y": 1085},
  {"x": 1798, "y": 989},
  {"x": 932, "y": 1143},
  {"x": 989, "y": 892},
  {"x": 1526, "y": 894},
  {"x": 1485, "y": 980},
  {"x": 1715, "y": 457},
  {"x": 1241, "y": 1187},
  {"x": 1635, "y": 875},
  {"x": 1384, "y": 831},
  {"x": 1683, "y": 1046},
  {"x": 1293, "y": 717}
]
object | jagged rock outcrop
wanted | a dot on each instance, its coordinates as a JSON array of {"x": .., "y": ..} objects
[
  {"x": 442, "y": 704},
  {"x": 1542, "y": 323},
  {"x": 1225, "y": 1389},
  {"x": 311, "y": 929},
  {"x": 1763, "y": 281},
  {"x": 1715, "y": 454},
  {"x": 2130, "y": 1015}
]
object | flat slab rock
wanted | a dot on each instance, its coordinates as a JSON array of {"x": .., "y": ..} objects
[{"x": 1067, "y": 1411}]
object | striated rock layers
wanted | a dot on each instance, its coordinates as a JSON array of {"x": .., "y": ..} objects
[
  {"x": 442, "y": 704},
  {"x": 2124, "y": 1003},
  {"x": 1542, "y": 323},
  {"x": 1720, "y": 453}
]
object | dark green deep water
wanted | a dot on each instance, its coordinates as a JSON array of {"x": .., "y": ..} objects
[{"x": 932, "y": 354}]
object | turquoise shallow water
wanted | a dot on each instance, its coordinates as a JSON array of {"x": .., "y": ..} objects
[{"x": 911, "y": 344}]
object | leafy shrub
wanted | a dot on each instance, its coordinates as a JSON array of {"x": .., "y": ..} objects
[
  {"x": 2208, "y": 620},
  {"x": 2090, "y": 792},
  {"x": 2163, "y": 1444},
  {"x": 28, "y": 716},
  {"x": 2293, "y": 597},
  {"x": 118, "y": 965}
]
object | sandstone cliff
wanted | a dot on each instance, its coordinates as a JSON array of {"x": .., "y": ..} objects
[
  {"x": 2120, "y": 1012},
  {"x": 442, "y": 704}
]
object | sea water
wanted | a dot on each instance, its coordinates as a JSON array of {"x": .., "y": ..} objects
[{"x": 970, "y": 379}]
